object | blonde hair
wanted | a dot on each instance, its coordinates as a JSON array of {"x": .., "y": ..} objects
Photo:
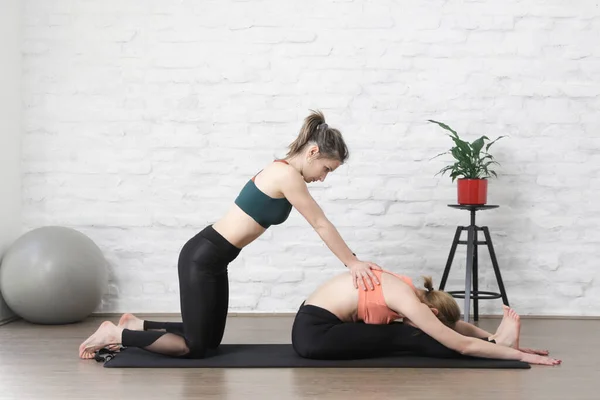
[
  {"x": 448, "y": 310},
  {"x": 329, "y": 140}
]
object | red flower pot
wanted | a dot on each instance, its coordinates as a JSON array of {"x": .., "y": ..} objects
[{"x": 472, "y": 191}]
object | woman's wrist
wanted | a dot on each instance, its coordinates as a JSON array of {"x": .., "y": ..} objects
[{"x": 353, "y": 259}]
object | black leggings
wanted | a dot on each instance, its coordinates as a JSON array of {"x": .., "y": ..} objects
[
  {"x": 319, "y": 334},
  {"x": 204, "y": 298}
]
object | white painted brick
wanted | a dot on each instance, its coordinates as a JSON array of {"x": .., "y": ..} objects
[
  {"x": 370, "y": 208},
  {"x": 268, "y": 276},
  {"x": 154, "y": 288},
  {"x": 399, "y": 221},
  {"x": 362, "y": 235},
  {"x": 482, "y": 22},
  {"x": 142, "y": 122},
  {"x": 239, "y": 301}
]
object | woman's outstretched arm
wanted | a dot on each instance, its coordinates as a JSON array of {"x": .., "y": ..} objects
[
  {"x": 401, "y": 298},
  {"x": 295, "y": 190}
]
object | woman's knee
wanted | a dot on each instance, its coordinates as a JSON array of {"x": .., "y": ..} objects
[
  {"x": 300, "y": 350},
  {"x": 308, "y": 350},
  {"x": 430, "y": 347},
  {"x": 309, "y": 345},
  {"x": 194, "y": 349},
  {"x": 299, "y": 344},
  {"x": 303, "y": 345}
]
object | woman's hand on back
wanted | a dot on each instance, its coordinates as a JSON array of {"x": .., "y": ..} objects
[{"x": 362, "y": 275}]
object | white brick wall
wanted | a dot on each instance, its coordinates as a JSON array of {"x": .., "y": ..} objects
[
  {"x": 11, "y": 16},
  {"x": 143, "y": 120}
]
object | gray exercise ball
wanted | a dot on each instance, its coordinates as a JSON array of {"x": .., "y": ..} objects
[{"x": 53, "y": 275}]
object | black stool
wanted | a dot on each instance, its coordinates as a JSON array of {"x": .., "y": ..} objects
[{"x": 472, "y": 258}]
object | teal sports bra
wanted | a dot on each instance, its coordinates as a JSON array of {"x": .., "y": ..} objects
[{"x": 265, "y": 210}]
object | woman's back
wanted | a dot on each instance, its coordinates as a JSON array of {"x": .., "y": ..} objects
[
  {"x": 240, "y": 228},
  {"x": 338, "y": 295}
]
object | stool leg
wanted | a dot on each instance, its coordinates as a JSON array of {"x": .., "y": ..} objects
[
  {"x": 450, "y": 257},
  {"x": 488, "y": 239},
  {"x": 470, "y": 246},
  {"x": 475, "y": 278}
]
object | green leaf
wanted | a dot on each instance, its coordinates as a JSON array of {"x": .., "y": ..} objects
[
  {"x": 446, "y": 127},
  {"x": 444, "y": 170},
  {"x": 441, "y": 154},
  {"x": 477, "y": 145},
  {"x": 457, "y": 154},
  {"x": 490, "y": 162},
  {"x": 491, "y": 143},
  {"x": 463, "y": 147}
]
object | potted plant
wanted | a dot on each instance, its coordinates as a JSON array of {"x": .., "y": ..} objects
[{"x": 471, "y": 166}]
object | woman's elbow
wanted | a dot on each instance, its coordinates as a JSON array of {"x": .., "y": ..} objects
[
  {"x": 321, "y": 225},
  {"x": 464, "y": 347}
]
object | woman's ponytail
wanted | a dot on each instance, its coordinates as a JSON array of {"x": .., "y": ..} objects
[
  {"x": 315, "y": 130},
  {"x": 311, "y": 125}
]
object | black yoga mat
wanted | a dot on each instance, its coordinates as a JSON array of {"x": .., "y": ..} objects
[{"x": 284, "y": 356}]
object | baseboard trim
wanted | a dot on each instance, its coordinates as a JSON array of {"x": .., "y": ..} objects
[
  {"x": 292, "y": 314},
  {"x": 178, "y": 315},
  {"x": 570, "y": 317},
  {"x": 9, "y": 320}
]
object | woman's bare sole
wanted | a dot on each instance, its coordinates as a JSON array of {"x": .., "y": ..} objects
[
  {"x": 107, "y": 334},
  {"x": 509, "y": 332}
]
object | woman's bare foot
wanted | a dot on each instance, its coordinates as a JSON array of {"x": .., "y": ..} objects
[
  {"x": 107, "y": 334},
  {"x": 131, "y": 322},
  {"x": 127, "y": 321},
  {"x": 509, "y": 330},
  {"x": 503, "y": 323}
]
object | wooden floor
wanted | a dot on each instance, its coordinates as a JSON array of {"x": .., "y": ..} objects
[{"x": 40, "y": 362}]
